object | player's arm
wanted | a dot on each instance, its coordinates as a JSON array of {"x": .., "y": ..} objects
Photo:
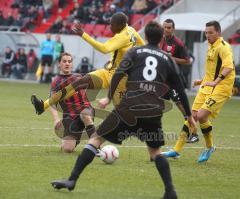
[
  {"x": 184, "y": 58},
  {"x": 227, "y": 65},
  {"x": 110, "y": 45},
  {"x": 182, "y": 61},
  {"x": 176, "y": 84},
  {"x": 139, "y": 40},
  {"x": 116, "y": 42},
  {"x": 54, "y": 112},
  {"x": 125, "y": 65}
]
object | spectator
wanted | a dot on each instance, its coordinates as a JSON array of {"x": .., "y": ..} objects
[
  {"x": 31, "y": 61},
  {"x": 2, "y": 19},
  {"x": 65, "y": 27},
  {"x": 47, "y": 6},
  {"x": 9, "y": 20},
  {"x": 47, "y": 51},
  {"x": 151, "y": 4},
  {"x": 58, "y": 47},
  {"x": 107, "y": 16},
  {"x": 18, "y": 21},
  {"x": 21, "y": 67},
  {"x": 139, "y": 6},
  {"x": 61, "y": 3},
  {"x": 8, "y": 62},
  {"x": 32, "y": 15},
  {"x": 57, "y": 26}
]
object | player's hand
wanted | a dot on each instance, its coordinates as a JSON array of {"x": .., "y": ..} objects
[
  {"x": 77, "y": 29},
  {"x": 211, "y": 84},
  {"x": 196, "y": 83},
  {"x": 192, "y": 122},
  {"x": 102, "y": 103}
]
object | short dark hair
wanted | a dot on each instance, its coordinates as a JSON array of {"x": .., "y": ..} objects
[
  {"x": 215, "y": 24},
  {"x": 153, "y": 32},
  {"x": 170, "y": 21},
  {"x": 120, "y": 18},
  {"x": 64, "y": 54}
]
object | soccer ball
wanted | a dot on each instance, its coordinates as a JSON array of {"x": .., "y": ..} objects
[{"x": 109, "y": 154}]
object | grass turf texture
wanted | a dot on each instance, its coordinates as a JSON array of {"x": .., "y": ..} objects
[{"x": 26, "y": 172}]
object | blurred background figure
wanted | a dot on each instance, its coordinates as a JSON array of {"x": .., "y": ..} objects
[
  {"x": 20, "y": 68},
  {"x": 47, "y": 53},
  {"x": 84, "y": 67},
  {"x": 8, "y": 62}
]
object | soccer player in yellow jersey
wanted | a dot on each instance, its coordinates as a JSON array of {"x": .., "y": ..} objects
[
  {"x": 125, "y": 37},
  {"x": 215, "y": 89}
]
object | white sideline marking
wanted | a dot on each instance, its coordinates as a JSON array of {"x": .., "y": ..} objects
[
  {"x": 51, "y": 128},
  {"x": 23, "y": 127},
  {"x": 124, "y": 146}
]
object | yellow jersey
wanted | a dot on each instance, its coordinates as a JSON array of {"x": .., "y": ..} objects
[
  {"x": 118, "y": 45},
  {"x": 219, "y": 56}
]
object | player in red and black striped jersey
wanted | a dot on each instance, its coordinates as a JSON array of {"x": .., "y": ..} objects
[
  {"x": 176, "y": 48},
  {"x": 77, "y": 112}
]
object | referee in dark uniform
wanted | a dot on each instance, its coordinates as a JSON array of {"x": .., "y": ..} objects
[{"x": 151, "y": 72}]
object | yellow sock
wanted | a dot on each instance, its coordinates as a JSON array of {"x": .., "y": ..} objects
[
  {"x": 207, "y": 133},
  {"x": 65, "y": 93},
  {"x": 182, "y": 138}
]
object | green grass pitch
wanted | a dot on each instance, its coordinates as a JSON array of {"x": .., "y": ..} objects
[{"x": 30, "y": 157}]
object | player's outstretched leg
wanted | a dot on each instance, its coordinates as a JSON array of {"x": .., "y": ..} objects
[
  {"x": 68, "y": 184},
  {"x": 38, "y": 104},
  {"x": 83, "y": 160},
  {"x": 180, "y": 142}
]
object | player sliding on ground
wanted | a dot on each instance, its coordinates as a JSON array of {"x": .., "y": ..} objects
[
  {"x": 77, "y": 112},
  {"x": 215, "y": 89},
  {"x": 150, "y": 73},
  {"x": 125, "y": 38}
]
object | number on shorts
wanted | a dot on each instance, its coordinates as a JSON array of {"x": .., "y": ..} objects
[
  {"x": 149, "y": 71},
  {"x": 210, "y": 102}
]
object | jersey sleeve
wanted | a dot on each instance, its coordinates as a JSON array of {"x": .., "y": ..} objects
[
  {"x": 124, "y": 66},
  {"x": 116, "y": 42},
  {"x": 139, "y": 41},
  {"x": 226, "y": 55}
]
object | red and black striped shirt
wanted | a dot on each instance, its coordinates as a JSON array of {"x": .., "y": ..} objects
[
  {"x": 175, "y": 47},
  {"x": 76, "y": 103}
]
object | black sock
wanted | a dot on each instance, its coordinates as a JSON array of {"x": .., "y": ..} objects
[
  {"x": 164, "y": 171},
  {"x": 84, "y": 159},
  {"x": 90, "y": 129}
]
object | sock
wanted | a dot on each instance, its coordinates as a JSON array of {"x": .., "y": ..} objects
[
  {"x": 84, "y": 159},
  {"x": 182, "y": 138},
  {"x": 90, "y": 129},
  {"x": 207, "y": 133},
  {"x": 163, "y": 168}
]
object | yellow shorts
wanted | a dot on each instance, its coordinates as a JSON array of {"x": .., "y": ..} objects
[
  {"x": 102, "y": 79},
  {"x": 212, "y": 102}
]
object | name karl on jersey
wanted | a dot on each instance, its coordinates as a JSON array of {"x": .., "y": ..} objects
[
  {"x": 147, "y": 87},
  {"x": 150, "y": 51}
]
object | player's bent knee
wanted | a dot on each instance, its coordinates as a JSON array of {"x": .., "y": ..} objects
[{"x": 68, "y": 146}]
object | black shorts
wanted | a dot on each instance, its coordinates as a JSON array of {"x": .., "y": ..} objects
[
  {"x": 147, "y": 130},
  {"x": 47, "y": 60},
  {"x": 73, "y": 127}
]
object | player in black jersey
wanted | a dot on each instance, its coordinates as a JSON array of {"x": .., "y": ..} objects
[{"x": 151, "y": 72}]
